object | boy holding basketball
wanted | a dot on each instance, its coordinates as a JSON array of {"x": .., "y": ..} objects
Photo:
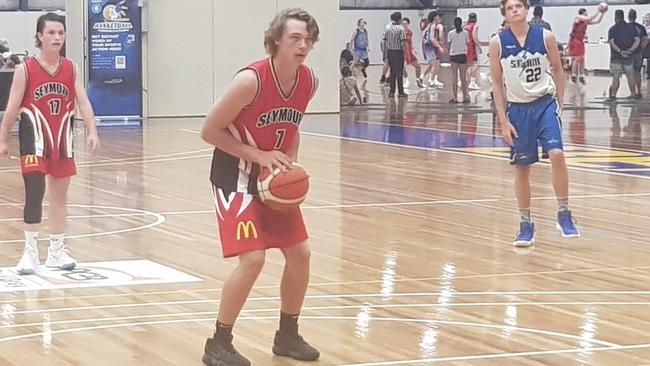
[
  {"x": 526, "y": 60},
  {"x": 254, "y": 125}
]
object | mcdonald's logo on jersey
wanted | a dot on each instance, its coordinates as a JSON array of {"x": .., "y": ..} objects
[
  {"x": 31, "y": 161},
  {"x": 245, "y": 229}
]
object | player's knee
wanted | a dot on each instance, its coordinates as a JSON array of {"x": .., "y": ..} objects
[
  {"x": 34, "y": 192},
  {"x": 298, "y": 254},
  {"x": 556, "y": 156},
  {"x": 252, "y": 262}
]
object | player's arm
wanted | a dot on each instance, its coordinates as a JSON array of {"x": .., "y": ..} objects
[
  {"x": 87, "y": 114},
  {"x": 16, "y": 94},
  {"x": 556, "y": 66},
  {"x": 507, "y": 129},
  {"x": 594, "y": 19},
  {"x": 241, "y": 92},
  {"x": 637, "y": 42}
]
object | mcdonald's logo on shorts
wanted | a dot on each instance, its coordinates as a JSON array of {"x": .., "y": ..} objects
[
  {"x": 31, "y": 161},
  {"x": 245, "y": 229}
]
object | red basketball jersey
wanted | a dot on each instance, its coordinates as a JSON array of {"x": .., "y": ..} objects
[
  {"x": 578, "y": 31},
  {"x": 270, "y": 122},
  {"x": 47, "y": 110}
]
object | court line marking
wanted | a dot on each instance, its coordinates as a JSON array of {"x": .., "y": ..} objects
[
  {"x": 433, "y": 202},
  {"x": 311, "y": 308},
  {"x": 390, "y": 319},
  {"x": 321, "y": 284},
  {"x": 133, "y": 160},
  {"x": 457, "y": 152},
  {"x": 343, "y": 296},
  {"x": 159, "y": 220}
]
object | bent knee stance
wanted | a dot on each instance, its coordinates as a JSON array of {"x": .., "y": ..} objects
[{"x": 34, "y": 192}]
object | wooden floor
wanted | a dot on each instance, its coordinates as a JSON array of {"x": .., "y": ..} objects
[{"x": 412, "y": 256}]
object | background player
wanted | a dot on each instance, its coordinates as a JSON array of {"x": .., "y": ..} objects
[
  {"x": 255, "y": 124},
  {"x": 577, "y": 42},
  {"x": 44, "y": 91},
  {"x": 526, "y": 59}
]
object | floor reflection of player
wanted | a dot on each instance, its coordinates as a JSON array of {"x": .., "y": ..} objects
[
  {"x": 577, "y": 132},
  {"x": 469, "y": 126},
  {"x": 632, "y": 132},
  {"x": 616, "y": 125}
]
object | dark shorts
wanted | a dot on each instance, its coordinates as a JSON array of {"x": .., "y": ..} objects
[{"x": 458, "y": 59}]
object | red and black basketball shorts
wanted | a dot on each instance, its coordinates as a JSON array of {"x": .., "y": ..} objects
[
  {"x": 247, "y": 224},
  {"x": 57, "y": 168}
]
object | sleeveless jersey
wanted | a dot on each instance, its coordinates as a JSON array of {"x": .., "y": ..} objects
[
  {"x": 360, "y": 39},
  {"x": 47, "y": 110},
  {"x": 578, "y": 31},
  {"x": 469, "y": 27},
  {"x": 527, "y": 69},
  {"x": 270, "y": 122}
]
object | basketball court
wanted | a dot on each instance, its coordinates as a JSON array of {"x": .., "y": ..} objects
[{"x": 411, "y": 216}]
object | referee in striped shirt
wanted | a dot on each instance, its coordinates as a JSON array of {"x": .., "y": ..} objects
[{"x": 395, "y": 40}]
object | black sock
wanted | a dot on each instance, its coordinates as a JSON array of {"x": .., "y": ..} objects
[
  {"x": 223, "y": 332},
  {"x": 288, "y": 323}
]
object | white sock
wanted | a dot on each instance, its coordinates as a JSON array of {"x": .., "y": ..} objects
[
  {"x": 31, "y": 238},
  {"x": 56, "y": 240}
]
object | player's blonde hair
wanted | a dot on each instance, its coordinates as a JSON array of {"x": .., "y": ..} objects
[
  {"x": 502, "y": 7},
  {"x": 278, "y": 24}
]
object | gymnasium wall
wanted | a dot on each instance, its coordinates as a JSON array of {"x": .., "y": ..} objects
[
  {"x": 489, "y": 19},
  {"x": 19, "y": 28},
  {"x": 560, "y": 18},
  {"x": 193, "y": 51}
]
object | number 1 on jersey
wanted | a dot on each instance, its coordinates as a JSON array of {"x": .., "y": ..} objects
[
  {"x": 281, "y": 133},
  {"x": 55, "y": 106}
]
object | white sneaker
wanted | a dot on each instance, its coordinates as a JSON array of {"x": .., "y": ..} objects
[
  {"x": 473, "y": 86},
  {"x": 28, "y": 263},
  {"x": 58, "y": 256},
  {"x": 438, "y": 84}
]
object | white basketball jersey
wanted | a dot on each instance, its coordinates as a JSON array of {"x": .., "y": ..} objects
[{"x": 527, "y": 69}]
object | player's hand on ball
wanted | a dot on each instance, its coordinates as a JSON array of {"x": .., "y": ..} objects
[
  {"x": 92, "y": 140},
  {"x": 508, "y": 131},
  {"x": 274, "y": 158}
]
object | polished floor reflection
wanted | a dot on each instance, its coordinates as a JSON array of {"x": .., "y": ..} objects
[{"x": 411, "y": 217}]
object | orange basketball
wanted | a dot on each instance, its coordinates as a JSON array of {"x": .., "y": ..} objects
[{"x": 283, "y": 190}]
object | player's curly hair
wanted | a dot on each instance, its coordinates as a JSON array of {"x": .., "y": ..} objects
[
  {"x": 502, "y": 7},
  {"x": 278, "y": 24}
]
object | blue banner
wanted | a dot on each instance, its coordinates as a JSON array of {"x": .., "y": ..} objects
[{"x": 115, "y": 60}]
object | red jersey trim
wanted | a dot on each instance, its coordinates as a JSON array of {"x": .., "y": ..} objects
[
  {"x": 286, "y": 98},
  {"x": 314, "y": 83}
]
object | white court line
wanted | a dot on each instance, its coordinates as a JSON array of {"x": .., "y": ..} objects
[
  {"x": 324, "y": 284},
  {"x": 133, "y": 160},
  {"x": 342, "y": 296},
  {"x": 83, "y": 216},
  {"x": 391, "y": 319},
  {"x": 449, "y": 151},
  {"x": 417, "y": 203},
  {"x": 159, "y": 220},
  {"x": 501, "y": 355}
]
